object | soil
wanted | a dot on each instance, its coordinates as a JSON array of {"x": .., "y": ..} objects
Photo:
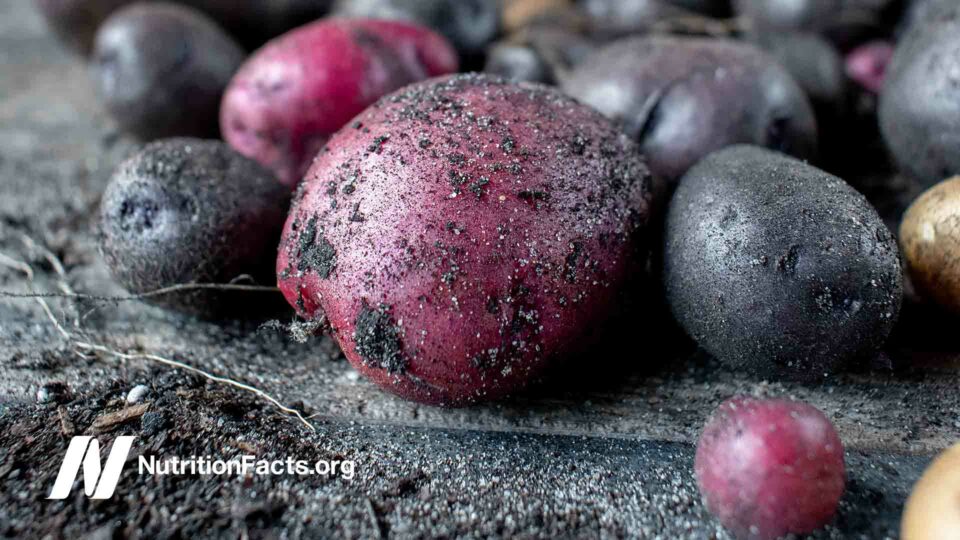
[{"x": 599, "y": 451}]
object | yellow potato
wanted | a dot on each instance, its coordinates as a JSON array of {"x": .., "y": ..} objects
[
  {"x": 930, "y": 239},
  {"x": 517, "y": 13},
  {"x": 933, "y": 509}
]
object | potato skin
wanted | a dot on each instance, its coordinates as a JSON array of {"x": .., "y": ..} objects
[
  {"x": 931, "y": 511},
  {"x": 300, "y": 88},
  {"x": 161, "y": 69},
  {"x": 683, "y": 98},
  {"x": 778, "y": 268},
  {"x": 919, "y": 116},
  {"x": 464, "y": 233},
  {"x": 193, "y": 211},
  {"x": 770, "y": 467},
  {"x": 930, "y": 239}
]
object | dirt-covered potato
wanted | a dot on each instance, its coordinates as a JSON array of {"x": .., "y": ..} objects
[
  {"x": 161, "y": 70},
  {"x": 930, "y": 238},
  {"x": 777, "y": 267},
  {"x": 683, "y": 98},
  {"x": 75, "y": 22},
  {"x": 465, "y": 232},
  {"x": 770, "y": 467},
  {"x": 469, "y": 24},
  {"x": 300, "y": 88},
  {"x": 193, "y": 211},
  {"x": 919, "y": 112},
  {"x": 931, "y": 512}
]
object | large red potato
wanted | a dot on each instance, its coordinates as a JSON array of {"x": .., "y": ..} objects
[
  {"x": 300, "y": 88},
  {"x": 465, "y": 232}
]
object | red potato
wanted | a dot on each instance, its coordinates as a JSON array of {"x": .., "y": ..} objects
[
  {"x": 770, "y": 467},
  {"x": 300, "y": 88},
  {"x": 465, "y": 233}
]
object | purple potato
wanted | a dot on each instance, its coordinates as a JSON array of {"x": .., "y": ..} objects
[{"x": 683, "y": 98}]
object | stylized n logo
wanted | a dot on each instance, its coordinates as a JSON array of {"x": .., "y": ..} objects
[{"x": 85, "y": 450}]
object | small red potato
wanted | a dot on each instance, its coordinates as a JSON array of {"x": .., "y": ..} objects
[
  {"x": 300, "y": 88},
  {"x": 770, "y": 467},
  {"x": 465, "y": 232}
]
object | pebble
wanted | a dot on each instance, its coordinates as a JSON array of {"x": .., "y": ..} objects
[{"x": 137, "y": 393}]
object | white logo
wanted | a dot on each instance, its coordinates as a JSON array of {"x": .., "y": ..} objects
[{"x": 99, "y": 482}]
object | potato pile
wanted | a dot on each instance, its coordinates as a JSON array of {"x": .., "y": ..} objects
[{"x": 743, "y": 162}]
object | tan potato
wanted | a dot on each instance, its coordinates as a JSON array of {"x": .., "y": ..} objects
[
  {"x": 518, "y": 13},
  {"x": 930, "y": 239},
  {"x": 932, "y": 511}
]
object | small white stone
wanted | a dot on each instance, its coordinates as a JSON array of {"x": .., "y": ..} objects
[{"x": 137, "y": 393}]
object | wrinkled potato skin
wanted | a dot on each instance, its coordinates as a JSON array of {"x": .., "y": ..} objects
[
  {"x": 291, "y": 95},
  {"x": 930, "y": 239},
  {"x": 932, "y": 512},
  {"x": 161, "y": 68},
  {"x": 193, "y": 211},
  {"x": 464, "y": 233},
  {"x": 682, "y": 98}
]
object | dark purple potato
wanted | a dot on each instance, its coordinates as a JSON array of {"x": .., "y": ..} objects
[
  {"x": 469, "y": 24},
  {"x": 75, "y": 22},
  {"x": 612, "y": 18},
  {"x": 813, "y": 62},
  {"x": 161, "y": 70},
  {"x": 920, "y": 102},
  {"x": 518, "y": 63},
  {"x": 924, "y": 12},
  {"x": 193, "y": 211},
  {"x": 778, "y": 268},
  {"x": 537, "y": 54},
  {"x": 807, "y": 15},
  {"x": 254, "y": 22},
  {"x": 683, "y": 98}
]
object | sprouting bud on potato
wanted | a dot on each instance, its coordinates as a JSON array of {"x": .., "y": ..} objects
[
  {"x": 930, "y": 238},
  {"x": 932, "y": 511},
  {"x": 778, "y": 268},
  {"x": 291, "y": 95},
  {"x": 770, "y": 467},
  {"x": 185, "y": 211},
  {"x": 464, "y": 233},
  {"x": 161, "y": 69},
  {"x": 682, "y": 98}
]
